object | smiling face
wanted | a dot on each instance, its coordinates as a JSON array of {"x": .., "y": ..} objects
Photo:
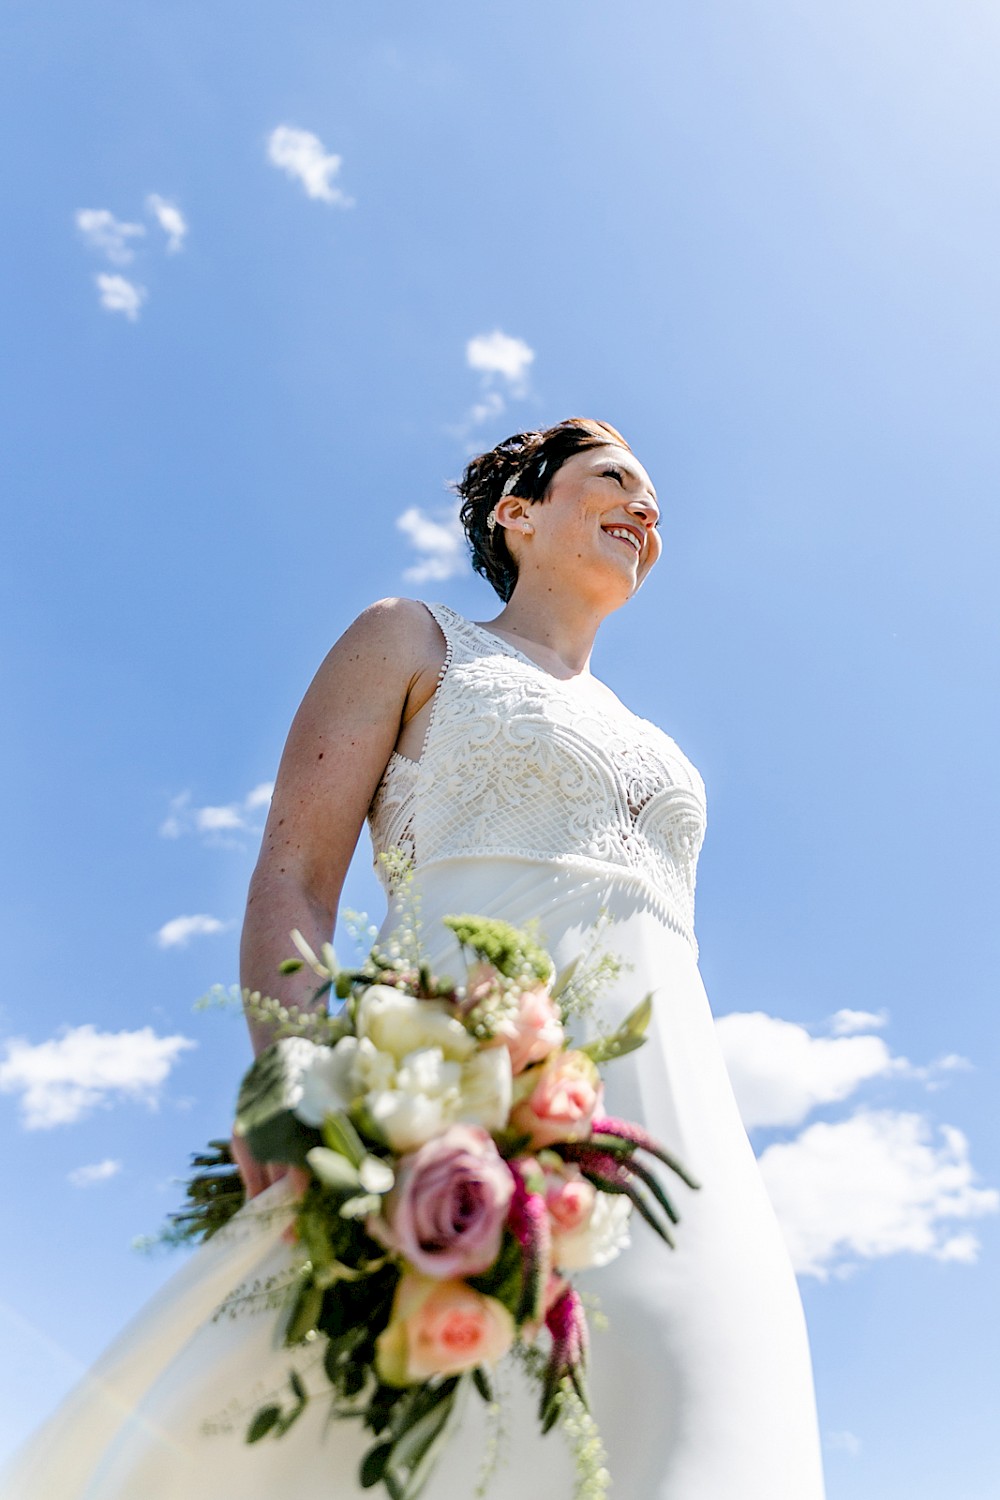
[{"x": 595, "y": 530}]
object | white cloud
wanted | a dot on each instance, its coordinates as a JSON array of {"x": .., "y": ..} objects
[
  {"x": 441, "y": 545},
  {"x": 847, "y": 1022},
  {"x": 179, "y": 931},
  {"x": 844, "y": 1442},
  {"x": 780, "y": 1073},
  {"x": 108, "y": 235},
  {"x": 67, "y": 1077},
  {"x": 212, "y": 821},
  {"x": 98, "y": 1171},
  {"x": 170, "y": 220},
  {"x": 876, "y": 1184},
  {"x": 118, "y": 294},
  {"x": 303, "y": 156},
  {"x": 497, "y": 353}
]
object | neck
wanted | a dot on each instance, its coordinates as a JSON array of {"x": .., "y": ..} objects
[{"x": 563, "y": 628}]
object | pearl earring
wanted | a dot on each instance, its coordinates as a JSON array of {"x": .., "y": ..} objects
[{"x": 527, "y": 528}]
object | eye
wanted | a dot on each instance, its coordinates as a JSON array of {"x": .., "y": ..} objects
[{"x": 615, "y": 474}]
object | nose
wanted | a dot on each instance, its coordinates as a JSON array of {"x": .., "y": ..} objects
[{"x": 645, "y": 511}]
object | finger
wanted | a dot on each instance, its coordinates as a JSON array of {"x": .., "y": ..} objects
[{"x": 254, "y": 1175}]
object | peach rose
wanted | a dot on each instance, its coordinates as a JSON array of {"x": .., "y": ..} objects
[
  {"x": 560, "y": 1100},
  {"x": 535, "y": 1031},
  {"x": 569, "y": 1197},
  {"x": 440, "y": 1328}
]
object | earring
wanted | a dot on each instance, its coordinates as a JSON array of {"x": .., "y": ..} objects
[{"x": 527, "y": 528}]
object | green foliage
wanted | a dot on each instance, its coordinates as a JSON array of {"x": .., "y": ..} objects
[
  {"x": 213, "y": 1194},
  {"x": 264, "y": 1110},
  {"x": 629, "y": 1035},
  {"x": 509, "y": 949},
  {"x": 505, "y": 1278}
]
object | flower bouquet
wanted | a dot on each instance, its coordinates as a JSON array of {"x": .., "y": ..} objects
[{"x": 459, "y": 1167}]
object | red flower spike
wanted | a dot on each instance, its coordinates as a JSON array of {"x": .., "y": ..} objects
[
  {"x": 528, "y": 1221},
  {"x": 634, "y": 1135},
  {"x": 567, "y": 1323}
]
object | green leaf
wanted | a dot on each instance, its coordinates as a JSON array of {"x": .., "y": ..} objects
[
  {"x": 305, "y": 1314},
  {"x": 504, "y": 1279},
  {"x": 411, "y": 1453},
  {"x": 266, "y": 1418},
  {"x": 629, "y": 1035},
  {"x": 290, "y": 965},
  {"x": 340, "y": 1135},
  {"x": 333, "y": 1170},
  {"x": 481, "y": 1381},
  {"x": 565, "y": 977},
  {"x": 373, "y": 1465},
  {"x": 267, "y": 1095}
]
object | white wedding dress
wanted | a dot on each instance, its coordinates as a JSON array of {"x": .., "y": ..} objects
[{"x": 534, "y": 798}]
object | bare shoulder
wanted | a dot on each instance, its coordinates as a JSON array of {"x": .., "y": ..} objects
[{"x": 403, "y": 626}]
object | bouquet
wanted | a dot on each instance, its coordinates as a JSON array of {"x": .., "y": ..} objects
[{"x": 460, "y": 1168}]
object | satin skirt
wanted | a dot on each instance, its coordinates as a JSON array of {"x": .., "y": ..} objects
[{"x": 701, "y": 1384}]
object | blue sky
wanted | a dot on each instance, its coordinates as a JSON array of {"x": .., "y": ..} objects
[{"x": 341, "y": 248}]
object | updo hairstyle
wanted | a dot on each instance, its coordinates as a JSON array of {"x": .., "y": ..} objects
[{"x": 530, "y": 459}]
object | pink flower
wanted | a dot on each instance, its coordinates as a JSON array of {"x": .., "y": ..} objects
[
  {"x": 565, "y": 1094},
  {"x": 446, "y": 1212},
  {"x": 569, "y": 1197},
  {"x": 440, "y": 1328},
  {"x": 535, "y": 1031}
]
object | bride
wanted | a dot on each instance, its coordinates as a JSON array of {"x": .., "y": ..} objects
[{"x": 520, "y": 787}]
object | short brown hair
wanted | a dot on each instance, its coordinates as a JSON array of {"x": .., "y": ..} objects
[{"x": 533, "y": 457}]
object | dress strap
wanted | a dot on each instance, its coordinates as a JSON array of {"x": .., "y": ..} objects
[{"x": 462, "y": 637}]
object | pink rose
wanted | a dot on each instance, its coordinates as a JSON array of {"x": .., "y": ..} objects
[
  {"x": 565, "y": 1094},
  {"x": 535, "y": 1031},
  {"x": 446, "y": 1212},
  {"x": 440, "y": 1328},
  {"x": 569, "y": 1197}
]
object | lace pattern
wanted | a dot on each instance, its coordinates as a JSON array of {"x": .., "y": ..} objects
[{"x": 519, "y": 763}]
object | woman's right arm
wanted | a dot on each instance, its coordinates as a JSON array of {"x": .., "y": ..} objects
[{"x": 379, "y": 674}]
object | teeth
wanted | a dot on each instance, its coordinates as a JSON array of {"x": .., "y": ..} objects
[{"x": 626, "y": 536}]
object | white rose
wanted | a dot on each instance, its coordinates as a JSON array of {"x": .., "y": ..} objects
[
  {"x": 599, "y": 1240},
  {"x": 485, "y": 1089},
  {"x": 401, "y": 1024}
]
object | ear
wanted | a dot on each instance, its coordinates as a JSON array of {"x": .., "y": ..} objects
[{"x": 511, "y": 511}]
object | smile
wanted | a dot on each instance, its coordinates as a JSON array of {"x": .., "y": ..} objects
[{"x": 624, "y": 534}]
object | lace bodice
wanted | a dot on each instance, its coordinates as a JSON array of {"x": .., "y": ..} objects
[{"x": 519, "y": 763}]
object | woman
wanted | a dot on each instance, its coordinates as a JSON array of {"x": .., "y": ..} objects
[{"x": 520, "y": 787}]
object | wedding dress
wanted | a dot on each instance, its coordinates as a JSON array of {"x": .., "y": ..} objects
[{"x": 534, "y": 798}]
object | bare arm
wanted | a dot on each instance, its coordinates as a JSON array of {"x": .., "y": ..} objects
[{"x": 381, "y": 672}]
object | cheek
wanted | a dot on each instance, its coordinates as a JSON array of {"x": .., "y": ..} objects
[{"x": 653, "y": 549}]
